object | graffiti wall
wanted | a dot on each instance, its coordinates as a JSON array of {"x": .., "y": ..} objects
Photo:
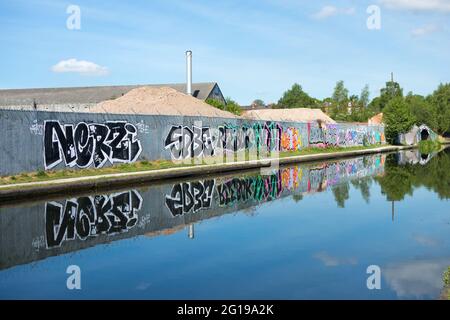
[{"x": 33, "y": 141}]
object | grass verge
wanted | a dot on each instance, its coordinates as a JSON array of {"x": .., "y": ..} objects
[{"x": 145, "y": 165}]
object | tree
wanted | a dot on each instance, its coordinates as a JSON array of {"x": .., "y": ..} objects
[
  {"x": 341, "y": 194},
  {"x": 441, "y": 101},
  {"x": 296, "y": 98},
  {"x": 364, "y": 97},
  {"x": 423, "y": 111},
  {"x": 258, "y": 103},
  {"x": 340, "y": 93},
  {"x": 391, "y": 91},
  {"x": 397, "y": 118},
  {"x": 230, "y": 106}
]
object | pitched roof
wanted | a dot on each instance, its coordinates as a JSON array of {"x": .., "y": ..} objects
[
  {"x": 290, "y": 115},
  {"x": 376, "y": 119},
  {"x": 88, "y": 95}
]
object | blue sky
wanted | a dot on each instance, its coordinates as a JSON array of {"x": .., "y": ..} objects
[{"x": 253, "y": 49}]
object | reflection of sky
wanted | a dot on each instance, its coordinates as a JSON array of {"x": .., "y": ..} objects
[{"x": 288, "y": 249}]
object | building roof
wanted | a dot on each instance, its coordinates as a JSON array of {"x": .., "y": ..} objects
[
  {"x": 88, "y": 95},
  {"x": 290, "y": 115},
  {"x": 376, "y": 119}
]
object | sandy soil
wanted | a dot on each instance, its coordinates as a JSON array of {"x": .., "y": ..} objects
[
  {"x": 159, "y": 101},
  {"x": 293, "y": 115}
]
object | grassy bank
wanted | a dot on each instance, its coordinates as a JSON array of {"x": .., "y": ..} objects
[{"x": 142, "y": 166}]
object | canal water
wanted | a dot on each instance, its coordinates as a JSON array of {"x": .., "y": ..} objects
[{"x": 372, "y": 227}]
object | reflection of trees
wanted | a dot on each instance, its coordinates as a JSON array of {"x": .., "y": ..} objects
[
  {"x": 341, "y": 194},
  {"x": 399, "y": 181},
  {"x": 297, "y": 197},
  {"x": 363, "y": 185}
]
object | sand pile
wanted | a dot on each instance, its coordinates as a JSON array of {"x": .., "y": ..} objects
[
  {"x": 291, "y": 115},
  {"x": 159, "y": 101}
]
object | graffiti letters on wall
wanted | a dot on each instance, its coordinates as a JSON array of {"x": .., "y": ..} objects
[
  {"x": 190, "y": 197},
  {"x": 185, "y": 142},
  {"x": 85, "y": 144},
  {"x": 191, "y": 142},
  {"x": 91, "y": 216}
]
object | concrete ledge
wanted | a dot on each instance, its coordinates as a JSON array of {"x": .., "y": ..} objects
[{"x": 33, "y": 189}]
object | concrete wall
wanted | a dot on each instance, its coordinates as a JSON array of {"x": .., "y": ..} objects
[{"x": 39, "y": 140}]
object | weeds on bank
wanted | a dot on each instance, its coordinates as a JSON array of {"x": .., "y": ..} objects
[{"x": 146, "y": 165}]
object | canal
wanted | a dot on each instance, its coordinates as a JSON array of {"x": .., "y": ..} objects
[{"x": 307, "y": 231}]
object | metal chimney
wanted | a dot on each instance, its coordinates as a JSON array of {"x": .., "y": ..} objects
[{"x": 189, "y": 72}]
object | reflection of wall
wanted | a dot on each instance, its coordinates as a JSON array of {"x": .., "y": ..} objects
[
  {"x": 46, "y": 140},
  {"x": 34, "y": 232}
]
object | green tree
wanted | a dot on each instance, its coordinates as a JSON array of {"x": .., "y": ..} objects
[
  {"x": 364, "y": 97},
  {"x": 296, "y": 98},
  {"x": 340, "y": 102},
  {"x": 397, "y": 118},
  {"x": 230, "y": 106},
  {"x": 441, "y": 101},
  {"x": 340, "y": 94},
  {"x": 341, "y": 194},
  {"x": 423, "y": 111},
  {"x": 258, "y": 103},
  {"x": 391, "y": 91}
]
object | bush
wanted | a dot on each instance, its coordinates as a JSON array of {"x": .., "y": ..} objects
[{"x": 230, "y": 106}]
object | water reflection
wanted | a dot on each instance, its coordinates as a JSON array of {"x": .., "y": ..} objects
[{"x": 37, "y": 231}]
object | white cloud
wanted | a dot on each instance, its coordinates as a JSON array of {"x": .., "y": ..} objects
[
  {"x": 82, "y": 67},
  {"x": 416, "y": 278},
  {"x": 332, "y": 261},
  {"x": 329, "y": 11},
  {"x": 422, "y": 31},
  {"x": 418, "y": 5}
]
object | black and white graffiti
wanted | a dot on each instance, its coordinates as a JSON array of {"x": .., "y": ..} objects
[
  {"x": 190, "y": 197},
  {"x": 185, "y": 142},
  {"x": 91, "y": 216},
  {"x": 83, "y": 144}
]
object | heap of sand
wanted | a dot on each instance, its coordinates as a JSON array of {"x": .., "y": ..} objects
[
  {"x": 289, "y": 115},
  {"x": 160, "y": 101}
]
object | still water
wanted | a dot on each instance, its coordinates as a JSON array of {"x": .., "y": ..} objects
[{"x": 307, "y": 231}]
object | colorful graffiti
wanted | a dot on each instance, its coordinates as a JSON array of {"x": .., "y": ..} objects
[
  {"x": 191, "y": 197},
  {"x": 184, "y": 142}
]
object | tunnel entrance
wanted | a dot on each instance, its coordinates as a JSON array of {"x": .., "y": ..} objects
[{"x": 424, "y": 134}]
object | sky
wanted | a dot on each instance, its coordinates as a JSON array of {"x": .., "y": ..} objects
[{"x": 253, "y": 48}]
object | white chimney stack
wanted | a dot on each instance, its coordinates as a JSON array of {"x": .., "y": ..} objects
[{"x": 189, "y": 72}]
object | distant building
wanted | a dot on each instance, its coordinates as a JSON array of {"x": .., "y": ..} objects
[
  {"x": 376, "y": 119},
  {"x": 81, "y": 99}
]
